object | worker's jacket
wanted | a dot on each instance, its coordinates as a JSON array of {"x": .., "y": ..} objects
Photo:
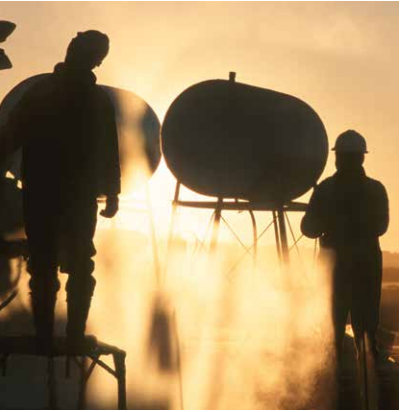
[
  {"x": 348, "y": 212},
  {"x": 66, "y": 126}
]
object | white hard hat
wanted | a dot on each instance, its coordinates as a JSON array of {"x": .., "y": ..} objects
[{"x": 350, "y": 142}]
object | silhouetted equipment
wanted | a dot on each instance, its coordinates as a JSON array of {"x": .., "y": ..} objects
[
  {"x": 137, "y": 123},
  {"x": 253, "y": 149},
  {"x": 235, "y": 141},
  {"x": 139, "y": 146},
  {"x": 6, "y": 28},
  {"x": 25, "y": 345},
  {"x": 231, "y": 140}
]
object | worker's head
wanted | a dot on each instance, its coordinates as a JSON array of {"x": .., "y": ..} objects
[
  {"x": 87, "y": 50},
  {"x": 350, "y": 148}
]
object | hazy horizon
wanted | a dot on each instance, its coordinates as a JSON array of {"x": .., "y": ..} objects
[{"x": 340, "y": 57}]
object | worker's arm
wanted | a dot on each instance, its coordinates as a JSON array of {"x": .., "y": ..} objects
[
  {"x": 380, "y": 220},
  {"x": 313, "y": 222},
  {"x": 110, "y": 184}
]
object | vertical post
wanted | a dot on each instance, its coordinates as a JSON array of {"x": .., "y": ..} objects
[
  {"x": 82, "y": 394},
  {"x": 255, "y": 238},
  {"x": 153, "y": 238},
  {"x": 119, "y": 359},
  {"x": 215, "y": 229},
  {"x": 51, "y": 383},
  {"x": 255, "y": 241},
  {"x": 174, "y": 211},
  {"x": 172, "y": 223},
  {"x": 277, "y": 241},
  {"x": 283, "y": 236}
]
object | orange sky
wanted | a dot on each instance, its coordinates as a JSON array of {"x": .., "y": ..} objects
[{"x": 340, "y": 57}]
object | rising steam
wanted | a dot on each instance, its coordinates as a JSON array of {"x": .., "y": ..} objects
[{"x": 201, "y": 339}]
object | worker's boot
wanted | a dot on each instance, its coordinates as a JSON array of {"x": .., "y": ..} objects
[
  {"x": 43, "y": 302},
  {"x": 79, "y": 296}
]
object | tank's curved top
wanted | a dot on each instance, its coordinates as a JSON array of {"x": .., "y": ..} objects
[
  {"x": 139, "y": 148},
  {"x": 232, "y": 140},
  {"x": 137, "y": 125}
]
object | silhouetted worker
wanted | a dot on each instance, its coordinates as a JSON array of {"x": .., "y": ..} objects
[
  {"x": 349, "y": 211},
  {"x": 67, "y": 129}
]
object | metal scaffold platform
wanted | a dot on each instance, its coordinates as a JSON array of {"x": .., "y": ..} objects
[{"x": 86, "y": 358}]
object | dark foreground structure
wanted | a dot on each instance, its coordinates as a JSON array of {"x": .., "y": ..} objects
[{"x": 94, "y": 350}]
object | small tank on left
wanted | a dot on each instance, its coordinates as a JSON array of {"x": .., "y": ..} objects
[{"x": 139, "y": 146}]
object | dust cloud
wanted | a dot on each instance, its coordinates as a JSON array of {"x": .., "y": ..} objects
[{"x": 205, "y": 335}]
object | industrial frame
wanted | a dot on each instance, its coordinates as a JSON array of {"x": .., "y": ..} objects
[{"x": 280, "y": 221}]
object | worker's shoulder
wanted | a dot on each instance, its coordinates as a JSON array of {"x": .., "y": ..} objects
[
  {"x": 102, "y": 95},
  {"x": 375, "y": 185},
  {"x": 326, "y": 184}
]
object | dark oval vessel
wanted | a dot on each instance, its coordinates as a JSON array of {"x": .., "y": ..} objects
[
  {"x": 139, "y": 147},
  {"x": 137, "y": 125},
  {"x": 227, "y": 139}
]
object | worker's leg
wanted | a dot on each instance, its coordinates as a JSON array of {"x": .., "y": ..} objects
[
  {"x": 340, "y": 305},
  {"x": 80, "y": 288},
  {"x": 44, "y": 284},
  {"x": 340, "y": 317},
  {"x": 366, "y": 299},
  {"x": 79, "y": 251}
]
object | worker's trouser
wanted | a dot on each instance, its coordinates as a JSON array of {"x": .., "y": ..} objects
[
  {"x": 61, "y": 236},
  {"x": 357, "y": 290}
]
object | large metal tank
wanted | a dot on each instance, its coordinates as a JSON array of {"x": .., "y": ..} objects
[{"x": 232, "y": 140}]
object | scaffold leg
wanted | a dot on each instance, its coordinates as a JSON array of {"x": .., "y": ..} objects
[
  {"x": 51, "y": 380},
  {"x": 120, "y": 367}
]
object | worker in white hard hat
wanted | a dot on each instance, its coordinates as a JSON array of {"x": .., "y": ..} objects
[{"x": 348, "y": 212}]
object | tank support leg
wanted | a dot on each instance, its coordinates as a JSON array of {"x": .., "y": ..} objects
[
  {"x": 119, "y": 360},
  {"x": 215, "y": 231},
  {"x": 83, "y": 384},
  {"x": 277, "y": 240},
  {"x": 154, "y": 242},
  {"x": 283, "y": 236},
  {"x": 51, "y": 383},
  {"x": 255, "y": 239},
  {"x": 171, "y": 226}
]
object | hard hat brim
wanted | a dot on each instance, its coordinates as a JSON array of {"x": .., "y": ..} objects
[{"x": 348, "y": 151}]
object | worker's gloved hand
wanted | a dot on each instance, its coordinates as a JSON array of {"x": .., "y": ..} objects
[{"x": 112, "y": 206}]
